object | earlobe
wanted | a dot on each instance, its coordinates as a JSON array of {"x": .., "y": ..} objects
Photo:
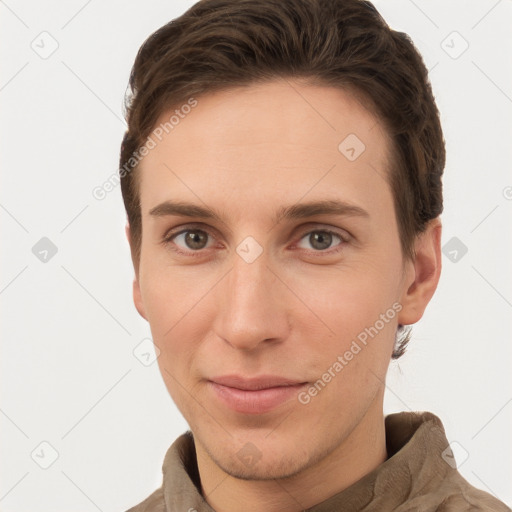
[
  {"x": 424, "y": 272},
  {"x": 137, "y": 298},
  {"x": 128, "y": 233},
  {"x": 137, "y": 295}
]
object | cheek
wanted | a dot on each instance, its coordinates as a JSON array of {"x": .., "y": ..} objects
[
  {"x": 174, "y": 311},
  {"x": 170, "y": 295},
  {"x": 351, "y": 357},
  {"x": 347, "y": 300}
]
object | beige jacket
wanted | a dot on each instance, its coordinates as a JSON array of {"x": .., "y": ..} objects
[{"x": 418, "y": 476}]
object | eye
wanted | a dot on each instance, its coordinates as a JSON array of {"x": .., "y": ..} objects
[
  {"x": 189, "y": 240},
  {"x": 320, "y": 240}
]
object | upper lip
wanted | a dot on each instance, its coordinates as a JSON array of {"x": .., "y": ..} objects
[{"x": 254, "y": 383}]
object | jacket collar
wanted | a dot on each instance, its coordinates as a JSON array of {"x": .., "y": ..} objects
[{"x": 416, "y": 465}]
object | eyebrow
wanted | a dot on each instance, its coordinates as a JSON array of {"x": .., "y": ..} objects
[{"x": 295, "y": 211}]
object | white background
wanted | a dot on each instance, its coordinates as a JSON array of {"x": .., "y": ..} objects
[{"x": 69, "y": 328}]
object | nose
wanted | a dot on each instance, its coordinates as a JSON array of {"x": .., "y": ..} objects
[{"x": 251, "y": 307}]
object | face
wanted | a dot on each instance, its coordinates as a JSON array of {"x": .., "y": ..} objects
[{"x": 270, "y": 255}]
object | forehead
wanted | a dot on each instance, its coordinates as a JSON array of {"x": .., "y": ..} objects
[{"x": 275, "y": 141}]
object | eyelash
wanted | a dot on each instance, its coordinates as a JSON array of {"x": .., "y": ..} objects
[{"x": 168, "y": 238}]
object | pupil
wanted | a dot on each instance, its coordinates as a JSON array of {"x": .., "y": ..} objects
[
  {"x": 196, "y": 239},
  {"x": 320, "y": 240}
]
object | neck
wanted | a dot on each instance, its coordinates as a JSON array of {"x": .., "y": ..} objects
[{"x": 361, "y": 452}]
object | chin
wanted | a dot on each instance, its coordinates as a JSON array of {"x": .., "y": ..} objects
[
  {"x": 253, "y": 457},
  {"x": 277, "y": 468}
]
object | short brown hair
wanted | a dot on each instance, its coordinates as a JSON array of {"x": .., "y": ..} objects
[{"x": 218, "y": 44}]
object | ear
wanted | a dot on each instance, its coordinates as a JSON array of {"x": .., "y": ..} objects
[
  {"x": 422, "y": 274},
  {"x": 137, "y": 296}
]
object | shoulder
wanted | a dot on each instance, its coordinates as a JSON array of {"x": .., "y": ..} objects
[
  {"x": 153, "y": 503},
  {"x": 179, "y": 461},
  {"x": 455, "y": 494},
  {"x": 470, "y": 499},
  {"x": 422, "y": 459}
]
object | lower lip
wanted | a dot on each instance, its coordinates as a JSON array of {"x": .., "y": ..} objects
[{"x": 254, "y": 401}]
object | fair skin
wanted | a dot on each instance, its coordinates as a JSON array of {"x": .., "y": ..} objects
[{"x": 246, "y": 153}]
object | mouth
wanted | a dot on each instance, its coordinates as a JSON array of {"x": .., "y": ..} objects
[{"x": 255, "y": 395}]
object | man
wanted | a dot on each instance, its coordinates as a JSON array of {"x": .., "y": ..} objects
[{"x": 281, "y": 174}]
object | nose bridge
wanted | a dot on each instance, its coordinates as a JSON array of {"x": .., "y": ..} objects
[
  {"x": 249, "y": 310},
  {"x": 250, "y": 283}
]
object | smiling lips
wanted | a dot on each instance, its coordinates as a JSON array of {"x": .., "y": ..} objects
[{"x": 256, "y": 395}]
